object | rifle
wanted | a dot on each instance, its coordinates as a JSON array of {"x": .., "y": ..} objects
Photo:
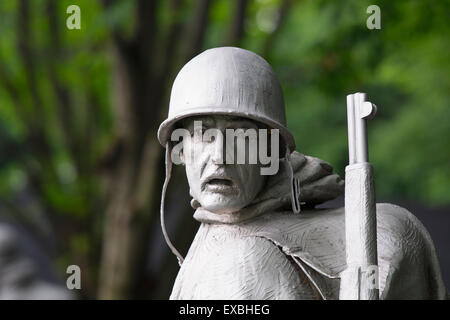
[{"x": 360, "y": 280}]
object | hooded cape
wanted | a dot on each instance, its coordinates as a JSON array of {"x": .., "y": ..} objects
[{"x": 264, "y": 251}]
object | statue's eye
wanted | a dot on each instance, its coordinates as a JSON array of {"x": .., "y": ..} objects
[{"x": 199, "y": 131}]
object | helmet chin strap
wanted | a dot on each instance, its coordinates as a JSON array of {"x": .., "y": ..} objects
[
  {"x": 294, "y": 183},
  {"x": 163, "y": 196}
]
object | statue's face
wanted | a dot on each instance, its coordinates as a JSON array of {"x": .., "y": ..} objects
[{"x": 219, "y": 187}]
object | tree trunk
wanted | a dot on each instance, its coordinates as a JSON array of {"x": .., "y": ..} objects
[{"x": 132, "y": 185}]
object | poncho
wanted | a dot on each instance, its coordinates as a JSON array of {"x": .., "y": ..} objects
[{"x": 265, "y": 251}]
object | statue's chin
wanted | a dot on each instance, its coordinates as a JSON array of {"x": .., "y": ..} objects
[
  {"x": 218, "y": 209},
  {"x": 222, "y": 205}
]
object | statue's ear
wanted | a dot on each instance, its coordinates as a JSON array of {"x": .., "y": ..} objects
[
  {"x": 177, "y": 154},
  {"x": 181, "y": 154}
]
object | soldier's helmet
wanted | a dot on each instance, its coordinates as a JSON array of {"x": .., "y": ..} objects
[{"x": 228, "y": 81}]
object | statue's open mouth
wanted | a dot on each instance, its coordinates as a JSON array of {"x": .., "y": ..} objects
[{"x": 219, "y": 184}]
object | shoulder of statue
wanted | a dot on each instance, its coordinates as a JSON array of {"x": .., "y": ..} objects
[
  {"x": 406, "y": 254},
  {"x": 400, "y": 226}
]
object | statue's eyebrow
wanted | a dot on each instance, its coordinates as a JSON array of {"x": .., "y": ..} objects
[{"x": 207, "y": 121}]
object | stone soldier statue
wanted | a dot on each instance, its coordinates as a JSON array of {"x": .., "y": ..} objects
[{"x": 260, "y": 236}]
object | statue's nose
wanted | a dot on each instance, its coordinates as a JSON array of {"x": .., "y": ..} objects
[{"x": 218, "y": 149}]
